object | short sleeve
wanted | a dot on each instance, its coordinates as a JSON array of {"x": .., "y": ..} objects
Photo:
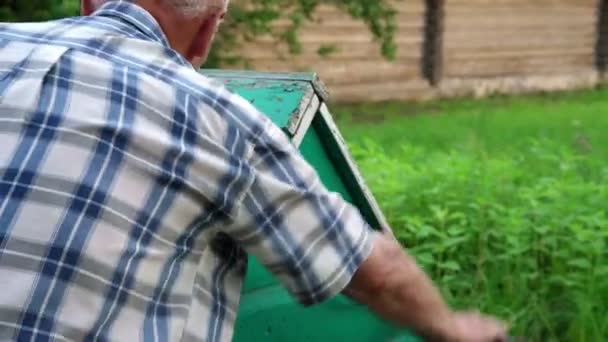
[{"x": 312, "y": 240}]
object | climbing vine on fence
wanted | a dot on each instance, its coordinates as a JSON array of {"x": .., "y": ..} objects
[{"x": 246, "y": 20}]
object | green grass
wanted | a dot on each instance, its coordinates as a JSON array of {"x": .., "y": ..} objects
[
  {"x": 496, "y": 123},
  {"x": 504, "y": 201}
]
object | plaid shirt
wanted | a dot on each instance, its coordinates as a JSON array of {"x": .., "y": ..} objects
[{"x": 132, "y": 190}]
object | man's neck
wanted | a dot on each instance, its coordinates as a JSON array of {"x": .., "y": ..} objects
[{"x": 180, "y": 32}]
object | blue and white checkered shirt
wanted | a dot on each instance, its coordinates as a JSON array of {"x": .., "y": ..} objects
[{"x": 132, "y": 190}]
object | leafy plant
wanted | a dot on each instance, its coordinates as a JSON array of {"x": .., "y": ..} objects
[
  {"x": 37, "y": 10},
  {"x": 249, "y": 19},
  {"x": 327, "y": 49},
  {"x": 501, "y": 205}
]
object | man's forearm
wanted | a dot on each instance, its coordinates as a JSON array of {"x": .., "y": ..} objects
[{"x": 392, "y": 285}]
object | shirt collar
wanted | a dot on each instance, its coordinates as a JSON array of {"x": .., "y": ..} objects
[{"x": 141, "y": 20}]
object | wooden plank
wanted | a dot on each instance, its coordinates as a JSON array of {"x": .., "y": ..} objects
[
  {"x": 456, "y": 57},
  {"x": 399, "y": 5},
  {"x": 477, "y": 41},
  {"x": 353, "y": 38},
  {"x": 494, "y": 22},
  {"x": 521, "y": 42},
  {"x": 519, "y": 32},
  {"x": 518, "y": 66},
  {"x": 476, "y": 9},
  {"x": 340, "y": 33},
  {"x": 410, "y": 6},
  {"x": 382, "y": 91},
  {"x": 342, "y": 51},
  {"x": 355, "y": 71},
  {"x": 403, "y": 23},
  {"x": 524, "y": 2},
  {"x": 344, "y": 20}
]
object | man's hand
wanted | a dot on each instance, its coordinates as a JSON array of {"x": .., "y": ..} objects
[
  {"x": 391, "y": 284},
  {"x": 473, "y": 327}
]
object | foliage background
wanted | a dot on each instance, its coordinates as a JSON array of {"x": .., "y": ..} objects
[
  {"x": 37, "y": 10},
  {"x": 503, "y": 201},
  {"x": 246, "y": 20}
]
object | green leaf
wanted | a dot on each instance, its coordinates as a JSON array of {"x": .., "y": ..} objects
[
  {"x": 580, "y": 263},
  {"x": 425, "y": 258},
  {"x": 327, "y": 49},
  {"x": 450, "y": 265}
]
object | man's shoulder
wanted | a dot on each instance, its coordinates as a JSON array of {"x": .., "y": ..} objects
[
  {"x": 25, "y": 29},
  {"x": 160, "y": 73},
  {"x": 96, "y": 48},
  {"x": 232, "y": 107}
]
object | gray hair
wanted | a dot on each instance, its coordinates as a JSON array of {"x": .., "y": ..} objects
[
  {"x": 188, "y": 8},
  {"x": 193, "y": 8}
]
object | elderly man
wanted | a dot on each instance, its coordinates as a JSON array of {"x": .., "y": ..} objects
[{"x": 132, "y": 190}]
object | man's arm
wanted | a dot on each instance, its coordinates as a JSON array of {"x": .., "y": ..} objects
[
  {"x": 317, "y": 244},
  {"x": 393, "y": 286}
]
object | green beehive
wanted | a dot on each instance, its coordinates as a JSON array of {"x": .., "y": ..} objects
[{"x": 296, "y": 103}]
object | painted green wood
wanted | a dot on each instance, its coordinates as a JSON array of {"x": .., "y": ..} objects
[
  {"x": 307, "y": 77},
  {"x": 333, "y": 143},
  {"x": 277, "y": 99},
  {"x": 313, "y": 151},
  {"x": 267, "y": 312}
]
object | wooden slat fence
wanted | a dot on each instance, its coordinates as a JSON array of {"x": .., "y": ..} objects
[{"x": 449, "y": 47}]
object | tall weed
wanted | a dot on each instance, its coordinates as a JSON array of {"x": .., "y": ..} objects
[{"x": 521, "y": 234}]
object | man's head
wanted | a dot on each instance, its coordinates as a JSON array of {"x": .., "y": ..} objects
[{"x": 190, "y": 25}]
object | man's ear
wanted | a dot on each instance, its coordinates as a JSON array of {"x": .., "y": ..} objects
[
  {"x": 199, "y": 50},
  {"x": 86, "y": 7}
]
